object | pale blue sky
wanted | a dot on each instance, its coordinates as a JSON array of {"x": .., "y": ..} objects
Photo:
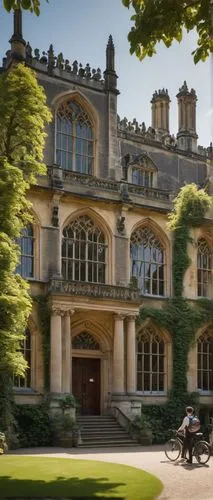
[{"x": 80, "y": 29}]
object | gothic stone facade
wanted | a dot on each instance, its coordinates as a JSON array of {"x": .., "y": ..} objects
[{"x": 100, "y": 229}]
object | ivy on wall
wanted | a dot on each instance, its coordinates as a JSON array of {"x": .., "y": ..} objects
[
  {"x": 44, "y": 324},
  {"x": 179, "y": 316}
]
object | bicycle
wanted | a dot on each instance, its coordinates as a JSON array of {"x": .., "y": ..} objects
[{"x": 201, "y": 449}]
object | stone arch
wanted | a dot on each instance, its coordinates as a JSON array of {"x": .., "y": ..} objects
[
  {"x": 81, "y": 99},
  {"x": 150, "y": 323},
  {"x": 100, "y": 334}
]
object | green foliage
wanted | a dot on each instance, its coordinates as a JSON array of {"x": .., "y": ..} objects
[
  {"x": 67, "y": 401},
  {"x": 165, "y": 20},
  {"x": 22, "y": 121},
  {"x": 33, "y": 425},
  {"x": 31, "y": 5},
  {"x": 178, "y": 316},
  {"x": 44, "y": 324},
  {"x": 190, "y": 207},
  {"x": 23, "y": 116},
  {"x": 3, "y": 443}
]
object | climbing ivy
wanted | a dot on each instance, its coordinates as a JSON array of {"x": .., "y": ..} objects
[
  {"x": 179, "y": 316},
  {"x": 44, "y": 323}
]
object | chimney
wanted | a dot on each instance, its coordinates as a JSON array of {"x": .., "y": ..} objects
[
  {"x": 17, "y": 42},
  {"x": 187, "y": 136},
  {"x": 160, "y": 111}
]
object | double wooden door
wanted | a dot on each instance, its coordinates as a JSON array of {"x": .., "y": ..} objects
[{"x": 86, "y": 384}]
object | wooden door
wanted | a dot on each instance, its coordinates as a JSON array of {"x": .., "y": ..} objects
[{"x": 86, "y": 384}]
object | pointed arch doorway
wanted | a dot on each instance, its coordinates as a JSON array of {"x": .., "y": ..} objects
[{"x": 86, "y": 373}]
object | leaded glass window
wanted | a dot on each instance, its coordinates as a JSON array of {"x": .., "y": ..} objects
[
  {"x": 205, "y": 361},
  {"x": 150, "y": 352},
  {"x": 85, "y": 341},
  {"x": 142, "y": 177},
  {"x": 26, "y": 242},
  {"x": 147, "y": 261},
  {"x": 74, "y": 138},
  {"x": 25, "y": 382},
  {"x": 83, "y": 251},
  {"x": 204, "y": 268}
]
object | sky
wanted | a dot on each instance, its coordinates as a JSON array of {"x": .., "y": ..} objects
[{"x": 80, "y": 30}]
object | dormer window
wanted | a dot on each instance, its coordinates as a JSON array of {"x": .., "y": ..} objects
[
  {"x": 140, "y": 170},
  {"x": 142, "y": 177}
]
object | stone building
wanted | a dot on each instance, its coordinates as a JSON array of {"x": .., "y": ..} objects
[{"x": 99, "y": 245}]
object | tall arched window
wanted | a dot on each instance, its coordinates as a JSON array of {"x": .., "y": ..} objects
[
  {"x": 83, "y": 251},
  {"x": 150, "y": 361},
  {"x": 74, "y": 138},
  {"x": 26, "y": 242},
  {"x": 25, "y": 382},
  {"x": 205, "y": 361},
  {"x": 147, "y": 261},
  {"x": 204, "y": 268}
]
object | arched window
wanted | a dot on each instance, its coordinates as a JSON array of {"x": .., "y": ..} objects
[
  {"x": 147, "y": 261},
  {"x": 150, "y": 361},
  {"x": 204, "y": 268},
  {"x": 26, "y": 242},
  {"x": 83, "y": 251},
  {"x": 85, "y": 341},
  {"x": 205, "y": 361},
  {"x": 25, "y": 382},
  {"x": 74, "y": 138}
]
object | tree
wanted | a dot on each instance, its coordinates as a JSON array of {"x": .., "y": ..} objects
[
  {"x": 31, "y": 5},
  {"x": 165, "y": 20},
  {"x": 23, "y": 116}
]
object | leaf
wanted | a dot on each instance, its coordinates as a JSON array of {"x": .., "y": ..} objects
[{"x": 8, "y": 4}]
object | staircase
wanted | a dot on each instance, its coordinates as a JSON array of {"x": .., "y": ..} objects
[{"x": 103, "y": 431}]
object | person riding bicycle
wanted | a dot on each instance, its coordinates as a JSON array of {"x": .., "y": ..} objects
[{"x": 189, "y": 426}]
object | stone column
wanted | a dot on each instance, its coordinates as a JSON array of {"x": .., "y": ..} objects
[
  {"x": 67, "y": 361},
  {"x": 118, "y": 354},
  {"x": 131, "y": 355},
  {"x": 56, "y": 352}
]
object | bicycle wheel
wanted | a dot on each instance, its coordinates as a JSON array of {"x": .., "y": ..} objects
[
  {"x": 202, "y": 452},
  {"x": 173, "y": 449}
]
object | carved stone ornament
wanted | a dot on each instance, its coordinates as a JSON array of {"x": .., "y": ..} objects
[
  {"x": 55, "y": 219},
  {"x": 121, "y": 224}
]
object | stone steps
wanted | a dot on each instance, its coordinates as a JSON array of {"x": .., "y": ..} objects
[{"x": 103, "y": 432}]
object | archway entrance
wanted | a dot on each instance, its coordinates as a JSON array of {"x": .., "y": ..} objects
[{"x": 86, "y": 373}]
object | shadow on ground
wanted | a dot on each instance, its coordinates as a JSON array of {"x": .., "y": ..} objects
[
  {"x": 86, "y": 451},
  {"x": 71, "y": 488}
]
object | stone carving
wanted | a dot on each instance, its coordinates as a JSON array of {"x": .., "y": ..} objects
[
  {"x": 75, "y": 288},
  {"x": 121, "y": 224},
  {"x": 51, "y": 61},
  {"x": 55, "y": 219}
]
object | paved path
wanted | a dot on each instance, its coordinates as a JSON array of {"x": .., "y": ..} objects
[{"x": 181, "y": 482}]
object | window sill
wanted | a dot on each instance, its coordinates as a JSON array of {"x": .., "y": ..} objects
[
  {"x": 25, "y": 390},
  {"x": 154, "y": 393},
  {"x": 205, "y": 393}
]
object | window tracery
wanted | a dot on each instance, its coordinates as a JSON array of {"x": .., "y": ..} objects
[
  {"x": 205, "y": 361},
  {"x": 204, "y": 268},
  {"x": 74, "y": 138},
  {"x": 147, "y": 261},
  {"x": 83, "y": 251},
  {"x": 150, "y": 361},
  {"x": 85, "y": 341}
]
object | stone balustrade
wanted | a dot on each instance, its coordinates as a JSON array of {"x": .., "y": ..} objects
[{"x": 75, "y": 288}]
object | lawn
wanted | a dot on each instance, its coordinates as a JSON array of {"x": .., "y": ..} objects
[{"x": 61, "y": 477}]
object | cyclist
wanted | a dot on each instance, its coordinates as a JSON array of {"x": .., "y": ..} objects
[{"x": 189, "y": 425}]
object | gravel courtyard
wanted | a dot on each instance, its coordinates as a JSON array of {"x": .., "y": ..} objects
[{"x": 180, "y": 481}]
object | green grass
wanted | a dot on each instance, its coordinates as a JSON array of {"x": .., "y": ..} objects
[{"x": 61, "y": 477}]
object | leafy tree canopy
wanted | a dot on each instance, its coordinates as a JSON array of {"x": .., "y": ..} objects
[
  {"x": 31, "y": 5},
  {"x": 165, "y": 20}
]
